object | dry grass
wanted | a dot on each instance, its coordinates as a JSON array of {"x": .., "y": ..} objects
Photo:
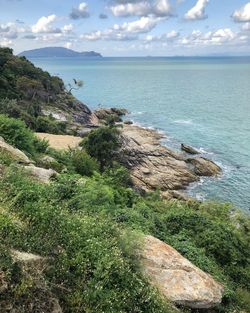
[{"x": 60, "y": 142}]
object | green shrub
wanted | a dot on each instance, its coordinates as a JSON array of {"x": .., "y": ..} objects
[
  {"x": 83, "y": 163},
  {"x": 103, "y": 144},
  {"x": 46, "y": 124},
  {"x": 16, "y": 133}
]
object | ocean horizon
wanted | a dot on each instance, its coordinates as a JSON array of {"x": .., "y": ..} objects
[{"x": 200, "y": 101}]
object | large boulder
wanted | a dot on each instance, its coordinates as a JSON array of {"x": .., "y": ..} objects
[
  {"x": 41, "y": 174},
  {"x": 16, "y": 154},
  {"x": 177, "y": 278},
  {"x": 204, "y": 167}
]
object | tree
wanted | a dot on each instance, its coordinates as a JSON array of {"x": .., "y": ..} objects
[
  {"x": 103, "y": 144},
  {"x": 77, "y": 85}
]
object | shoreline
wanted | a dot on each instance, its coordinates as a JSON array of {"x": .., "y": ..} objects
[{"x": 153, "y": 165}]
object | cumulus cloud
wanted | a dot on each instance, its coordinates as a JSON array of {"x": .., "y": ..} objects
[
  {"x": 80, "y": 12},
  {"x": 124, "y": 32},
  {"x": 223, "y": 36},
  {"x": 67, "y": 29},
  {"x": 167, "y": 37},
  {"x": 44, "y": 25},
  {"x": 242, "y": 14},
  {"x": 142, "y": 8},
  {"x": 198, "y": 11}
]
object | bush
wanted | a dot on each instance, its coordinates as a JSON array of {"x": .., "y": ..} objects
[
  {"x": 16, "y": 133},
  {"x": 103, "y": 144},
  {"x": 46, "y": 124},
  {"x": 83, "y": 163}
]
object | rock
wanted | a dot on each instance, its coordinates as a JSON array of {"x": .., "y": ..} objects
[
  {"x": 3, "y": 282},
  {"x": 204, "y": 167},
  {"x": 47, "y": 159},
  {"x": 41, "y": 174},
  {"x": 128, "y": 122},
  {"x": 104, "y": 113},
  {"x": 188, "y": 149},
  {"x": 151, "y": 165},
  {"x": 177, "y": 278},
  {"x": 17, "y": 154},
  {"x": 29, "y": 262}
]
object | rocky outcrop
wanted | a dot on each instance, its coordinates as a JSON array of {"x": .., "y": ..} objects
[
  {"x": 177, "y": 278},
  {"x": 103, "y": 113},
  {"x": 204, "y": 167},
  {"x": 16, "y": 154},
  {"x": 41, "y": 174},
  {"x": 153, "y": 166},
  {"x": 188, "y": 149}
]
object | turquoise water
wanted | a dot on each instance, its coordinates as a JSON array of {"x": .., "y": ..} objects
[{"x": 203, "y": 102}]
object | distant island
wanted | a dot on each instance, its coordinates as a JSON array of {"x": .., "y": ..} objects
[{"x": 58, "y": 52}]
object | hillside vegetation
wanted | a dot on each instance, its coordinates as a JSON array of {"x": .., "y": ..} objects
[
  {"x": 32, "y": 95},
  {"x": 88, "y": 224}
]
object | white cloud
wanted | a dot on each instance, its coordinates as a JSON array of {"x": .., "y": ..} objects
[
  {"x": 43, "y": 25},
  {"x": 68, "y": 45},
  {"x": 143, "y": 25},
  {"x": 142, "y": 8},
  {"x": 198, "y": 11},
  {"x": 5, "y": 43},
  {"x": 167, "y": 37},
  {"x": 80, "y": 12},
  {"x": 67, "y": 29},
  {"x": 126, "y": 31},
  {"x": 223, "y": 36},
  {"x": 130, "y": 9},
  {"x": 242, "y": 14},
  {"x": 246, "y": 26}
]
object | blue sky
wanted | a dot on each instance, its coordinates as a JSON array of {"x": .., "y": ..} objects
[{"x": 128, "y": 27}]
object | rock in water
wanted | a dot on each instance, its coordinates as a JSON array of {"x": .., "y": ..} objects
[
  {"x": 188, "y": 149},
  {"x": 177, "y": 278},
  {"x": 204, "y": 167}
]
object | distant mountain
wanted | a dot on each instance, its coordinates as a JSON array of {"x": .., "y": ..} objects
[{"x": 58, "y": 52}]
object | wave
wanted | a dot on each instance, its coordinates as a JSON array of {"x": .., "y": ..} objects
[{"x": 186, "y": 122}]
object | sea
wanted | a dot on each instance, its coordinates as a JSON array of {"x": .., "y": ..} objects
[{"x": 200, "y": 101}]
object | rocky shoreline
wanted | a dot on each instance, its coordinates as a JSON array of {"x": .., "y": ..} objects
[{"x": 153, "y": 166}]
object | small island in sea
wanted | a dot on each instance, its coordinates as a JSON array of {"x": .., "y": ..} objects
[{"x": 58, "y": 52}]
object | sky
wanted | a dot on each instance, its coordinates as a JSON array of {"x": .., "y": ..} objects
[{"x": 128, "y": 27}]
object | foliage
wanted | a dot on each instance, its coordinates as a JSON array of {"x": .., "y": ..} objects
[
  {"x": 103, "y": 144},
  {"x": 83, "y": 163},
  {"x": 16, "y": 133}
]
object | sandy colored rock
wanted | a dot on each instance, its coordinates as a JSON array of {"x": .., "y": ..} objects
[
  {"x": 177, "y": 278},
  {"x": 41, "y": 174},
  {"x": 17, "y": 154},
  {"x": 154, "y": 166},
  {"x": 151, "y": 165},
  {"x": 204, "y": 167},
  {"x": 60, "y": 142}
]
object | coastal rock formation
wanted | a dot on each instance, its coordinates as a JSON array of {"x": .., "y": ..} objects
[
  {"x": 204, "y": 167},
  {"x": 104, "y": 113},
  {"x": 177, "y": 278},
  {"x": 16, "y": 154},
  {"x": 154, "y": 166},
  {"x": 188, "y": 149},
  {"x": 41, "y": 174}
]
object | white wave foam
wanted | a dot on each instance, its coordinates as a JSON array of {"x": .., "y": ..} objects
[{"x": 187, "y": 122}]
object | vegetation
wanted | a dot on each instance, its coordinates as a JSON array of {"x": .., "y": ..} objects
[
  {"x": 103, "y": 145},
  {"x": 89, "y": 224},
  {"x": 26, "y": 90}
]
